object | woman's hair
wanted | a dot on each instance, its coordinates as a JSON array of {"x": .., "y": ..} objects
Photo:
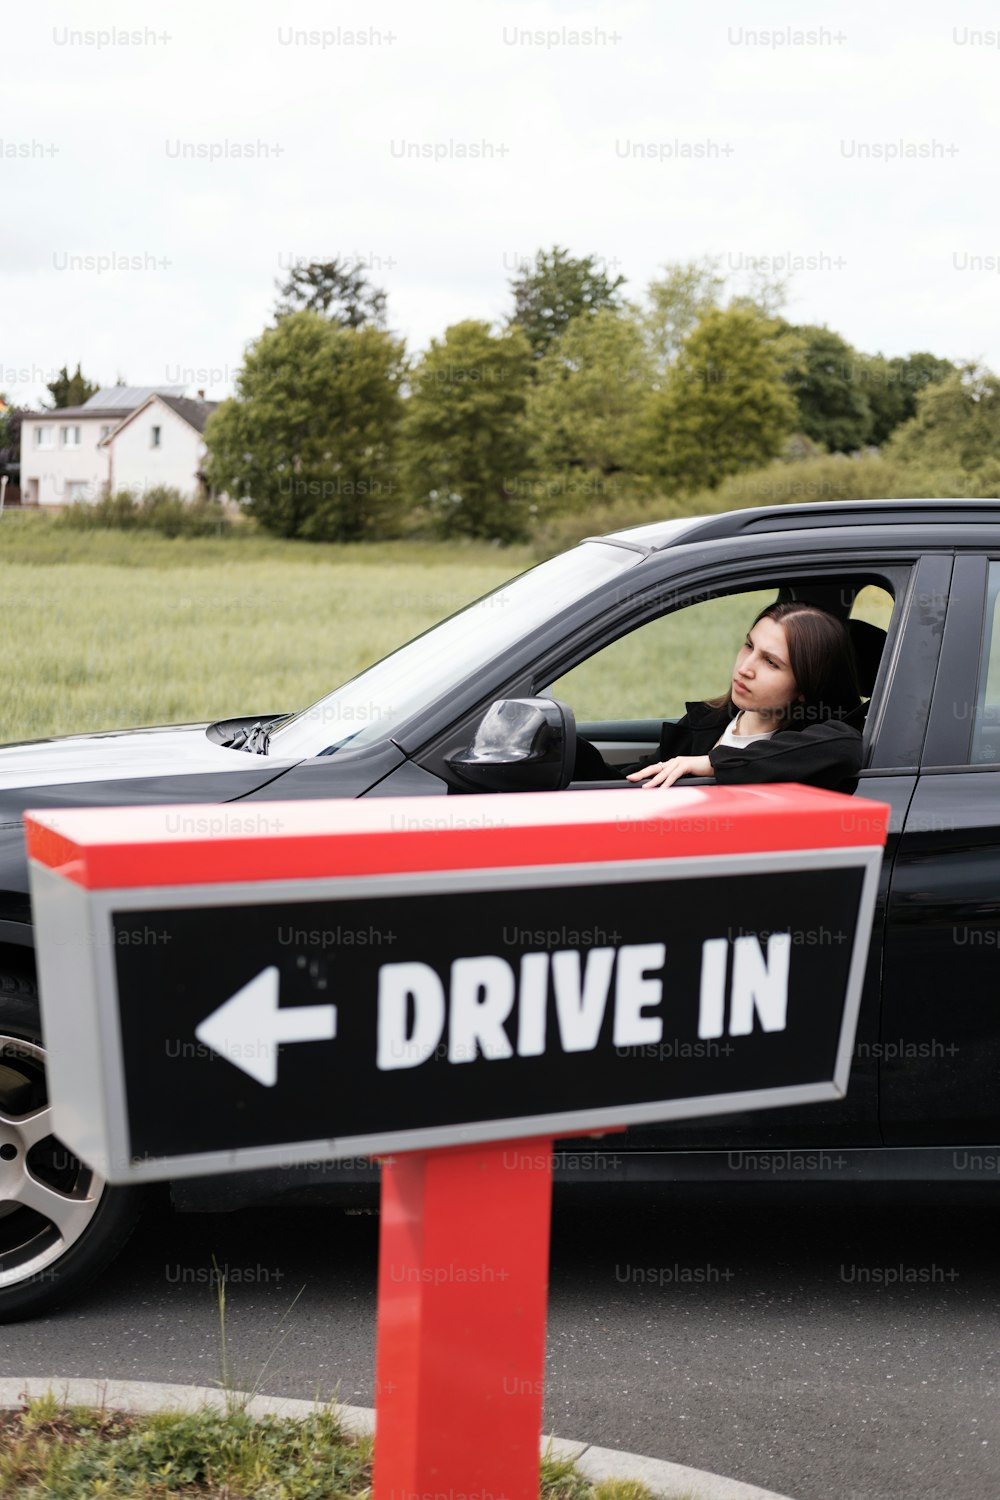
[{"x": 822, "y": 663}]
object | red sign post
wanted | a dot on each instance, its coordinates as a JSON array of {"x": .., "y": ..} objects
[{"x": 462, "y": 1296}]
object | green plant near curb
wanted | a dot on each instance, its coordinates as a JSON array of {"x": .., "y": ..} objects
[
  {"x": 237, "y": 1399},
  {"x": 52, "y": 1452},
  {"x": 80, "y": 1454}
]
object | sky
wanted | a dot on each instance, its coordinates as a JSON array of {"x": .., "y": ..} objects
[{"x": 164, "y": 165}]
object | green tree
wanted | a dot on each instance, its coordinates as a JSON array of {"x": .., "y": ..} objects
[
  {"x": 558, "y": 288},
  {"x": 685, "y": 292},
  {"x": 7, "y": 420},
  {"x": 893, "y": 385},
  {"x": 10, "y": 436},
  {"x": 70, "y": 390},
  {"x": 309, "y": 440},
  {"x": 464, "y": 436},
  {"x": 957, "y": 423},
  {"x": 586, "y": 409},
  {"x": 725, "y": 406},
  {"x": 337, "y": 289},
  {"x": 761, "y": 291},
  {"x": 824, "y": 379}
]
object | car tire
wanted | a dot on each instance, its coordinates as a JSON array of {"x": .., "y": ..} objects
[{"x": 60, "y": 1223}]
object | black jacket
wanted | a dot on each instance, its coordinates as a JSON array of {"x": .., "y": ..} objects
[{"x": 825, "y": 754}]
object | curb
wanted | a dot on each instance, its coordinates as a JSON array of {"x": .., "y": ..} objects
[{"x": 141, "y": 1396}]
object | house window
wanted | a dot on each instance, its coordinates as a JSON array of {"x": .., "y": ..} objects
[
  {"x": 78, "y": 489},
  {"x": 69, "y": 437},
  {"x": 44, "y": 437},
  {"x": 156, "y": 437}
]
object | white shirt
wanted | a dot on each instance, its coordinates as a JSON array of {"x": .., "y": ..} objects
[{"x": 737, "y": 741}]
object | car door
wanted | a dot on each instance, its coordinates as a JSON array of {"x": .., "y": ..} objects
[
  {"x": 940, "y": 1042},
  {"x": 894, "y": 734}
]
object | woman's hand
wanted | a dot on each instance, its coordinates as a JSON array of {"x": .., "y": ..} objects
[{"x": 666, "y": 772}]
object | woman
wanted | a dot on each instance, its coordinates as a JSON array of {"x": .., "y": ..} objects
[{"x": 785, "y": 717}]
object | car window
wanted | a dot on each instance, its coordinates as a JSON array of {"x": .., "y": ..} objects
[
  {"x": 868, "y": 624},
  {"x": 873, "y": 604},
  {"x": 652, "y": 672},
  {"x": 986, "y": 721},
  {"x": 688, "y": 656}
]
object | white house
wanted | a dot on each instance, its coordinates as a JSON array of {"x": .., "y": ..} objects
[
  {"x": 74, "y": 454},
  {"x": 160, "y": 442},
  {"x": 61, "y": 456}
]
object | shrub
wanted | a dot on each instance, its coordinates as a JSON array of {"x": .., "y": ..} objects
[
  {"x": 159, "y": 509},
  {"x": 869, "y": 476}
]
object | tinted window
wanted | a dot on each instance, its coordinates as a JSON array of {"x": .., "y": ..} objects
[
  {"x": 688, "y": 655},
  {"x": 986, "y": 721},
  {"x": 653, "y": 672}
]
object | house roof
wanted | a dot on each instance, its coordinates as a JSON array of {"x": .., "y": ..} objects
[
  {"x": 111, "y": 401},
  {"x": 124, "y": 398},
  {"x": 194, "y": 413}
]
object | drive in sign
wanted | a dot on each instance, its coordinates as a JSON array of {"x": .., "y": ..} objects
[
  {"x": 361, "y": 977},
  {"x": 371, "y": 976}
]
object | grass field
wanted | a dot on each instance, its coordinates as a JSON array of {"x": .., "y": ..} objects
[{"x": 104, "y": 629}]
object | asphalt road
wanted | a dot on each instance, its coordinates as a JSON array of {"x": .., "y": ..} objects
[{"x": 829, "y": 1352}]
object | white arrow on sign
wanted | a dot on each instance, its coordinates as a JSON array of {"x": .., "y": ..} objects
[{"x": 249, "y": 1027}]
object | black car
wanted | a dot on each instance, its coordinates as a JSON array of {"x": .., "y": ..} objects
[{"x": 614, "y": 621}]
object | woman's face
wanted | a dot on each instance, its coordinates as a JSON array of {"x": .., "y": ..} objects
[{"x": 762, "y": 677}]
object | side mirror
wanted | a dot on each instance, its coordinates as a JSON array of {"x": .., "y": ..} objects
[{"x": 521, "y": 745}]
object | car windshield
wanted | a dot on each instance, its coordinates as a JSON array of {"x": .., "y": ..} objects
[{"x": 372, "y": 705}]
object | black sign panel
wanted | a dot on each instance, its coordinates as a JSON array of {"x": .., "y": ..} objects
[{"x": 250, "y": 1026}]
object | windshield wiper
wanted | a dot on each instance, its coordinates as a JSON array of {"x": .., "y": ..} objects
[{"x": 258, "y": 736}]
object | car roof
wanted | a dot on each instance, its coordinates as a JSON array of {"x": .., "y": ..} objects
[{"x": 825, "y": 513}]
